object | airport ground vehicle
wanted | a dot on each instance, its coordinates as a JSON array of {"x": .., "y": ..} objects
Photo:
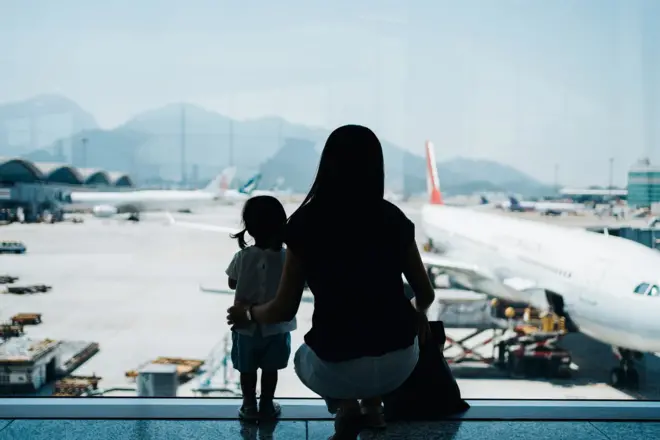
[
  {"x": 75, "y": 386},
  {"x": 22, "y": 290},
  {"x": 26, "y": 319},
  {"x": 12, "y": 247},
  {"x": 533, "y": 353},
  {"x": 186, "y": 368},
  {"x": 7, "y": 279},
  {"x": 10, "y": 331},
  {"x": 534, "y": 348}
]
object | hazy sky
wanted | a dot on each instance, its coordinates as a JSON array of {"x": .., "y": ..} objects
[{"x": 530, "y": 83}]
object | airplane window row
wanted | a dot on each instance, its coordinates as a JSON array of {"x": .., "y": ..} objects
[{"x": 647, "y": 289}]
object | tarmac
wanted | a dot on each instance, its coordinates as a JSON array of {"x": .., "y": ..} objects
[{"x": 134, "y": 288}]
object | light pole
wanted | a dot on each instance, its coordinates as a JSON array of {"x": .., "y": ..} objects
[
  {"x": 611, "y": 184},
  {"x": 84, "y": 152}
]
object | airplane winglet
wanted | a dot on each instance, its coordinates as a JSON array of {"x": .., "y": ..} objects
[{"x": 432, "y": 181}]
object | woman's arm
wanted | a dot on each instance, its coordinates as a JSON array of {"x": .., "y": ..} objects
[
  {"x": 418, "y": 278},
  {"x": 285, "y": 304}
]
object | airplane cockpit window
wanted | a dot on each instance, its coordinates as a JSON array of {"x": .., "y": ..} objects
[
  {"x": 642, "y": 288},
  {"x": 655, "y": 291}
]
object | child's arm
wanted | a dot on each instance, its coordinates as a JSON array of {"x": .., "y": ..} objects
[{"x": 233, "y": 271}]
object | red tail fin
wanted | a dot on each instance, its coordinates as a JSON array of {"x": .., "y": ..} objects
[{"x": 432, "y": 181}]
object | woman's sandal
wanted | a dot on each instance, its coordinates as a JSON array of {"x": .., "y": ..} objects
[{"x": 348, "y": 424}]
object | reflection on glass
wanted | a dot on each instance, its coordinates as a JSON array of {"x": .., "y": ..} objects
[{"x": 138, "y": 131}]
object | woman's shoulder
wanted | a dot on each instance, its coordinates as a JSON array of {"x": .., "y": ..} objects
[{"x": 393, "y": 212}]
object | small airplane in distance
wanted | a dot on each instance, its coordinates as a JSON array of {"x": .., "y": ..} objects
[
  {"x": 542, "y": 207},
  {"x": 604, "y": 286},
  {"x": 107, "y": 204}
]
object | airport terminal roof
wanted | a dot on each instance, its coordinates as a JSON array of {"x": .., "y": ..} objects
[
  {"x": 593, "y": 192},
  {"x": 23, "y": 170}
]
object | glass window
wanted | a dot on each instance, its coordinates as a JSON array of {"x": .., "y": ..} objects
[{"x": 139, "y": 129}]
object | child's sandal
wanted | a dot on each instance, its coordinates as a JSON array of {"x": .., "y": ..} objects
[{"x": 248, "y": 413}]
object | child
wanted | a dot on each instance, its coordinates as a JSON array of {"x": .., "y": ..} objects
[{"x": 255, "y": 273}]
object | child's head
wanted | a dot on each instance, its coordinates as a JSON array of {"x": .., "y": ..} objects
[{"x": 264, "y": 219}]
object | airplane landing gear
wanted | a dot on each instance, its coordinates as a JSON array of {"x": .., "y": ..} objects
[
  {"x": 625, "y": 376},
  {"x": 134, "y": 217}
]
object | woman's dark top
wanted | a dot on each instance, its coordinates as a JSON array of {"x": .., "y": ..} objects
[{"x": 353, "y": 261}]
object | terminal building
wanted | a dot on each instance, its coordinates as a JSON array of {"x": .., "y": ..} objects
[
  {"x": 36, "y": 187},
  {"x": 643, "y": 185}
]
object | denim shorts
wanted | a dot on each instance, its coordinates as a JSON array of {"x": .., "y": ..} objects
[{"x": 268, "y": 353}]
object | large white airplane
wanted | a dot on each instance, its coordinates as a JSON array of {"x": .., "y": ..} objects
[
  {"x": 606, "y": 287},
  {"x": 110, "y": 203}
]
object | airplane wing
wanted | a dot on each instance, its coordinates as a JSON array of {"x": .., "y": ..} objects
[
  {"x": 452, "y": 266},
  {"x": 481, "y": 280},
  {"x": 202, "y": 226},
  {"x": 307, "y": 296}
]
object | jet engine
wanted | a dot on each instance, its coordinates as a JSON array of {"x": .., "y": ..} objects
[{"x": 104, "y": 211}]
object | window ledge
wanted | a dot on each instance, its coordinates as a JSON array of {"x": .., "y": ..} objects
[{"x": 311, "y": 409}]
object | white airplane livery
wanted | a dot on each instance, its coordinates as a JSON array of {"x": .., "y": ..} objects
[
  {"x": 111, "y": 203},
  {"x": 606, "y": 287}
]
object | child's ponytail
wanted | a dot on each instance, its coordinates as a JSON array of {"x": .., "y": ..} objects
[{"x": 240, "y": 236}]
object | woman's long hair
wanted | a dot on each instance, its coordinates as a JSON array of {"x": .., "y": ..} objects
[{"x": 351, "y": 170}]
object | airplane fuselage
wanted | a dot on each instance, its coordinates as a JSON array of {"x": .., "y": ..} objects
[
  {"x": 594, "y": 274},
  {"x": 146, "y": 200}
]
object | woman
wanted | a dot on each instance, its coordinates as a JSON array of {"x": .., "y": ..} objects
[{"x": 351, "y": 247}]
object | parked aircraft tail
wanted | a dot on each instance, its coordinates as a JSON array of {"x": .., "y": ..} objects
[
  {"x": 222, "y": 181},
  {"x": 432, "y": 181},
  {"x": 250, "y": 185}
]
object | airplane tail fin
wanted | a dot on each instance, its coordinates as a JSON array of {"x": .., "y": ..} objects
[
  {"x": 432, "y": 181},
  {"x": 514, "y": 201},
  {"x": 484, "y": 200},
  {"x": 251, "y": 184},
  {"x": 222, "y": 181}
]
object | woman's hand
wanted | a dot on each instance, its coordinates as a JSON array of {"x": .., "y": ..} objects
[
  {"x": 423, "y": 328},
  {"x": 237, "y": 315}
]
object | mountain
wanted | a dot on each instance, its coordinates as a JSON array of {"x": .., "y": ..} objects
[
  {"x": 296, "y": 161},
  {"x": 37, "y": 122},
  {"x": 149, "y": 147}
]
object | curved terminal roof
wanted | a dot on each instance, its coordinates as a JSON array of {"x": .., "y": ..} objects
[
  {"x": 95, "y": 176},
  {"x": 18, "y": 170},
  {"x": 120, "y": 179},
  {"x": 59, "y": 173},
  {"x": 14, "y": 170}
]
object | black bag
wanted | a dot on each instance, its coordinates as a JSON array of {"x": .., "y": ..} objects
[{"x": 431, "y": 392}]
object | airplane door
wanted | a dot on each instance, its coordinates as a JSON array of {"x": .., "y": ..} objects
[{"x": 590, "y": 283}]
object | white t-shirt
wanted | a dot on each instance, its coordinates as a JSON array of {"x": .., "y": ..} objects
[{"x": 257, "y": 273}]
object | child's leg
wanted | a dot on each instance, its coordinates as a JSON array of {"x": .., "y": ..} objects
[
  {"x": 249, "y": 389},
  {"x": 243, "y": 359},
  {"x": 268, "y": 385},
  {"x": 277, "y": 349}
]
